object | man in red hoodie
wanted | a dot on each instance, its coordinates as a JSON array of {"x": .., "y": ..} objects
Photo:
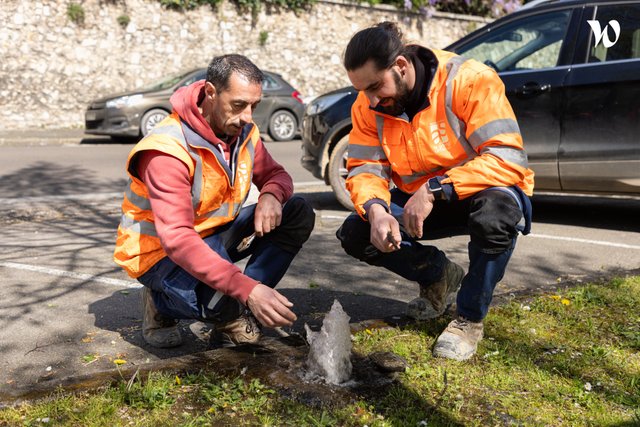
[{"x": 183, "y": 221}]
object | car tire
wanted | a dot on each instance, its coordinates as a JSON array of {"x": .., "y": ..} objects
[
  {"x": 282, "y": 126},
  {"x": 338, "y": 172},
  {"x": 150, "y": 119}
]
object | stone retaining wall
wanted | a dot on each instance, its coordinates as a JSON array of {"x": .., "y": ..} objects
[{"x": 51, "y": 68}]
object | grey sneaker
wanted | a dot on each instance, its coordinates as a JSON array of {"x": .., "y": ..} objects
[
  {"x": 460, "y": 339},
  {"x": 158, "y": 330},
  {"x": 436, "y": 297},
  {"x": 244, "y": 330}
]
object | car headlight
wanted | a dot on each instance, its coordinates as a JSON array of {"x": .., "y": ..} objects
[
  {"x": 318, "y": 105},
  {"x": 124, "y": 101}
]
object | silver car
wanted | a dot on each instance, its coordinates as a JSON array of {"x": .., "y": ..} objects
[{"x": 130, "y": 115}]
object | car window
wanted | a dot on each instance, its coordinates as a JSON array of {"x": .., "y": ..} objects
[
  {"x": 532, "y": 42},
  {"x": 194, "y": 78},
  {"x": 269, "y": 83},
  {"x": 609, "y": 47}
]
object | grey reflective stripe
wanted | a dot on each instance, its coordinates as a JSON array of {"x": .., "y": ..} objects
[
  {"x": 380, "y": 127},
  {"x": 139, "y": 201},
  {"x": 196, "y": 187},
  {"x": 365, "y": 152},
  {"x": 224, "y": 210},
  {"x": 377, "y": 170},
  {"x": 457, "y": 126},
  {"x": 168, "y": 130},
  {"x": 140, "y": 227},
  {"x": 408, "y": 179},
  {"x": 217, "y": 296},
  {"x": 509, "y": 154},
  {"x": 490, "y": 130}
]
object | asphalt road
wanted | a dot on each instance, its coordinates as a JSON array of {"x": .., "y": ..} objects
[{"x": 66, "y": 309}]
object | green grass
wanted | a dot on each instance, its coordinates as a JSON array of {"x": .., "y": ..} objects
[{"x": 571, "y": 359}]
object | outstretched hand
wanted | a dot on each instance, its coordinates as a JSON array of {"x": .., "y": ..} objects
[{"x": 270, "y": 307}]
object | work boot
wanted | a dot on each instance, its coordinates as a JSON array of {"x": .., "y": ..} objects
[
  {"x": 158, "y": 330},
  {"x": 244, "y": 330},
  {"x": 460, "y": 339},
  {"x": 436, "y": 297}
]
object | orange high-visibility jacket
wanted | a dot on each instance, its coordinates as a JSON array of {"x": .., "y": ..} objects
[
  {"x": 468, "y": 132},
  {"x": 216, "y": 200}
]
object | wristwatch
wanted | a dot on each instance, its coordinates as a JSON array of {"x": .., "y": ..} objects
[{"x": 436, "y": 189}]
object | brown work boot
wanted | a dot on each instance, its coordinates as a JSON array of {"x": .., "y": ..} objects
[
  {"x": 158, "y": 330},
  {"x": 460, "y": 339},
  {"x": 244, "y": 330},
  {"x": 436, "y": 297}
]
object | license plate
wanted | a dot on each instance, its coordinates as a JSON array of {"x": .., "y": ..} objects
[{"x": 90, "y": 115}]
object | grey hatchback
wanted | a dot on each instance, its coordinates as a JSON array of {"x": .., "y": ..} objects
[{"x": 132, "y": 114}]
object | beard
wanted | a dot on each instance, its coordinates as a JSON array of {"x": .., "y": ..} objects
[{"x": 401, "y": 98}]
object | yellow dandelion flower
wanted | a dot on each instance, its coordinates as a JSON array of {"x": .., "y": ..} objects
[
  {"x": 555, "y": 297},
  {"x": 178, "y": 381},
  {"x": 565, "y": 301},
  {"x": 119, "y": 361}
]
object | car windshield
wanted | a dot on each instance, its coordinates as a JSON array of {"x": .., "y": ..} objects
[{"x": 166, "y": 82}]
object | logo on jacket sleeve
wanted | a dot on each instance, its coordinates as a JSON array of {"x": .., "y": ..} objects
[{"x": 439, "y": 138}]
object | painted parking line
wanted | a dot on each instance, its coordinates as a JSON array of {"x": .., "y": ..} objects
[
  {"x": 71, "y": 275},
  {"x": 577, "y": 240}
]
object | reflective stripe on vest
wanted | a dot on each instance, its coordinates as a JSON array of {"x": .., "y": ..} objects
[
  {"x": 140, "y": 227},
  {"x": 377, "y": 170}
]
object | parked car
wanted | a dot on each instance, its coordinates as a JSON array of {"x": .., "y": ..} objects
[
  {"x": 577, "y": 98},
  {"x": 133, "y": 114}
]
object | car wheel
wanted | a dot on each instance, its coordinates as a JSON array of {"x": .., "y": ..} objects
[
  {"x": 150, "y": 119},
  {"x": 338, "y": 172},
  {"x": 282, "y": 125}
]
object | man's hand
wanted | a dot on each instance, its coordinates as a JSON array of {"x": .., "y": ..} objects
[
  {"x": 268, "y": 214},
  {"x": 416, "y": 210},
  {"x": 385, "y": 230},
  {"x": 270, "y": 307}
]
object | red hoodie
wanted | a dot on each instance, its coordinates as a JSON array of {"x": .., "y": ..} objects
[{"x": 169, "y": 185}]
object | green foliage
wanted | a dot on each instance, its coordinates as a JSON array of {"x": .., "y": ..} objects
[
  {"x": 262, "y": 39},
  {"x": 426, "y": 7},
  {"x": 75, "y": 13},
  {"x": 123, "y": 20},
  {"x": 188, "y": 4}
]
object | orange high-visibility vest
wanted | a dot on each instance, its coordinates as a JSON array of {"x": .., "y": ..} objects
[
  {"x": 217, "y": 194},
  {"x": 468, "y": 132}
]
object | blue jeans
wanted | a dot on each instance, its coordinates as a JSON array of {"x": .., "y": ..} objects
[
  {"x": 492, "y": 220},
  {"x": 179, "y": 295}
]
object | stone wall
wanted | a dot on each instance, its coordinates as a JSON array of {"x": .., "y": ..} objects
[{"x": 51, "y": 68}]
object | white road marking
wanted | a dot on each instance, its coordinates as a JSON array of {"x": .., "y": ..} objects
[
  {"x": 71, "y": 275},
  {"x": 308, "y": 183},
  {"x": 592, "y": 242},
  {"x": 84, "y": 196}
]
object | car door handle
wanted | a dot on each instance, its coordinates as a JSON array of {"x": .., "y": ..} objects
[{"x": 532, "y": 89}]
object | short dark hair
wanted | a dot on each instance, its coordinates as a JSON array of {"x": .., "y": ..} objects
[
  {"x": 221, "y": 67},
  {"x": 381, "y": 43}
]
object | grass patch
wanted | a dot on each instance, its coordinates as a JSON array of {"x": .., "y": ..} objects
[{"x": 571, "y": 359}]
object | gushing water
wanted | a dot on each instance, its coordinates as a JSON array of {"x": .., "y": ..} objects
[{"x": 330, "y": 348}]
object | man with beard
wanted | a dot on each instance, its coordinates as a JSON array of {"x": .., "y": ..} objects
[
  {"x": 184, "y": 223},
  {"x": 440, "y": 127}
]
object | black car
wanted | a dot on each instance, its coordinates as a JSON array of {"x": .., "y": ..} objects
[
  {"x": 574, "y": 88},
  {"x": 133, "y": 114}
]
